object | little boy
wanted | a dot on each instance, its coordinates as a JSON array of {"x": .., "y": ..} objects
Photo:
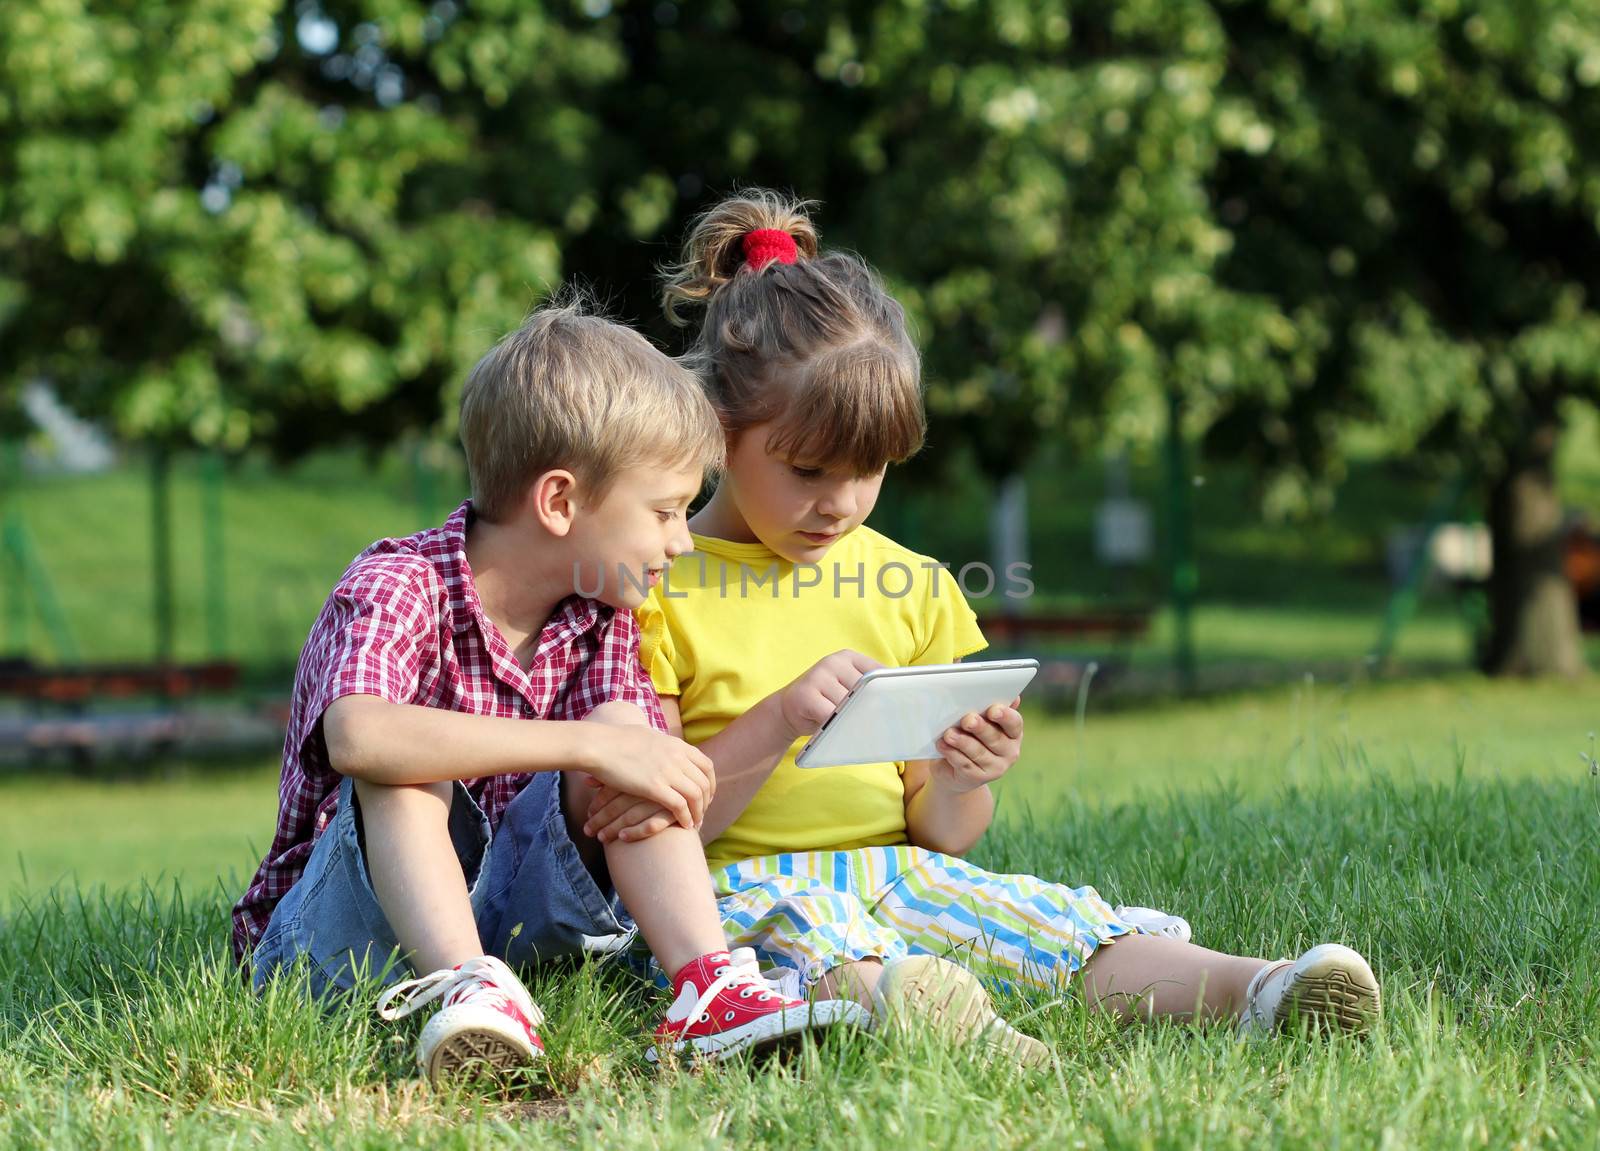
[{"x": 458, "y": 703}]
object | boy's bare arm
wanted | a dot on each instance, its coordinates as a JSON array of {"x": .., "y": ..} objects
[
  {"x": 395, "y": 744},
  {"x": 372, "y": 739}
]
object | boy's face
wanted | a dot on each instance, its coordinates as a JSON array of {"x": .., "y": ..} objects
[
  {"x": 796, "y": 508},
  {"x": 624, "y": 543}
]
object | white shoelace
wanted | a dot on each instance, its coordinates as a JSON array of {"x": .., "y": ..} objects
[
  {"x": 785, "y": 982},
  {"x": 485, "y": 977}
]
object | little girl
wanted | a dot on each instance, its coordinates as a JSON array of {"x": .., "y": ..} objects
[{"x": 852, "y": 877}]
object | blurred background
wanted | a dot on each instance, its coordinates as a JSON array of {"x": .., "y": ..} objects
[{"x": 1264, "y": 331}]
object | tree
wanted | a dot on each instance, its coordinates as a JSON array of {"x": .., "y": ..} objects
[
  {"x": 237, "y": 223},
  {"x": 1430, "y": 200},
  {"x": 266, "y": 225},
  {"x": 230, "y": 224},
  {"x": 287, "y": 225}
]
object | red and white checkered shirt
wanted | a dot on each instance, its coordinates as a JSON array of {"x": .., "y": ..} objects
[{"x": 405, "y": 623}]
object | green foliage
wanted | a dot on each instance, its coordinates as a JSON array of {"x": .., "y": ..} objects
[
  {"x": 1432, "y": 195},
  {"x": 299, "y": 223},
  {"x": 296, "y": 223},
  {"x": 1032, "y": 178},
  {"x": 1046, "y": 213},
  {"x": 230, "y": 223}
]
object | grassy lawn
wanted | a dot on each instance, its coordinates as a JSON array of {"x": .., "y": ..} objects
[
  {"x": 1447, "y": 829},
  {"x": 199, "y": 828}
]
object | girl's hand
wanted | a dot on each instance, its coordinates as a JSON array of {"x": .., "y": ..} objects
[
  {"x": 614, "y": 816},
  {"x": 807, "y": 703},
  {"x": 978, "y": 750}
]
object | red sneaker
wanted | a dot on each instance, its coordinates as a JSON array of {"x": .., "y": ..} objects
[
  {"x": 724, "y": 1006},
  {"x": 486, "y": 1018}
]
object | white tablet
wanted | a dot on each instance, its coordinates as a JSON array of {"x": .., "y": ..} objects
[{"x": 899, "y": 713}]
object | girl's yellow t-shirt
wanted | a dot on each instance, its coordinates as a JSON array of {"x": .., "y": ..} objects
[{"x": 732, "y": 623}]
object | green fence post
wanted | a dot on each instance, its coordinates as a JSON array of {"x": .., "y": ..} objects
[
  {"x": 161, "y": 550},
  {"x": 1403, "y": 601},
  {"x": 16, "y": 586},
  {"x": 1184, "y": 577},
  {"x": 214, "y": 555},
  {"x": 16, "y": 582}
]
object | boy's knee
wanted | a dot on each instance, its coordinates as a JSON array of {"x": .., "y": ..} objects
[{"x": 379, "y": 800}]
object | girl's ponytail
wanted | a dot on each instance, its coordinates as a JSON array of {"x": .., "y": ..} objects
[
  {"x": 810, "y": 342},
  {"x": 745, "y": 230}
]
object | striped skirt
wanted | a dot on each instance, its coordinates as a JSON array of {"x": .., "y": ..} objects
[{"x": 811, "y": 911}]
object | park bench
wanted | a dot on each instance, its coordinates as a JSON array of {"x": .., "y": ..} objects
[
  {"x": 78, "y": 684},
  {"x": 59, "y": 716},
  {"x": 1119, "y": 624},
  {"x": 1060, "y": 676}
]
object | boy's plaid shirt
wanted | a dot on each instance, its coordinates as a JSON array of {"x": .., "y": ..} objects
[{"x": 404, "y": 623}]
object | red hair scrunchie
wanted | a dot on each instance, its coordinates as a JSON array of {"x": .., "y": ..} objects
[{"x": 765, "y": 245}]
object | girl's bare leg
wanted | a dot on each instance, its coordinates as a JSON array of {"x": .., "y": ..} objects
[
  {"x": 854, "y": 980},
  {"x": 1144, "y": 976},
  {"x": 1136, "y": 976}
]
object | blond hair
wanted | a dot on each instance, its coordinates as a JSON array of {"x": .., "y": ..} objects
[
  {"x": 571, "y": 389},
  {"x": 817, "y": 346}
]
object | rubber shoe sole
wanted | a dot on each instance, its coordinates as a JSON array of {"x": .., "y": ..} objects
[
  {"x": 952, "y": 1000},
  {"x": 466, "y": 1041},
  {"x": 1333, "y": 989}
]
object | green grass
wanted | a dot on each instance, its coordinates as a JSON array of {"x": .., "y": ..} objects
[
  {"x": 194, "y": 827},
  {"x": 1449, "y": 830}
]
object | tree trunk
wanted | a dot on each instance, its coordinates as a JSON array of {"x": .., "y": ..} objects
[{"x": 1533, "y": 614}]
